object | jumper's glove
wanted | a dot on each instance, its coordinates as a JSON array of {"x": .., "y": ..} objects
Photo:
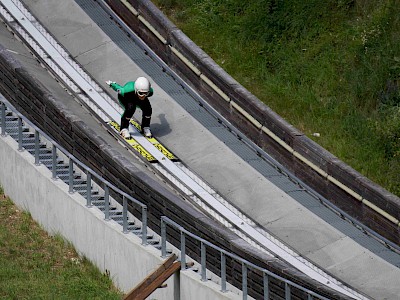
[{"x": 109, "y": 82}]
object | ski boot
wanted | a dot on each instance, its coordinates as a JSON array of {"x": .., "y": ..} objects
[
  {"x": 125, "y": 133},
  {"x": 146, "y": 132}
]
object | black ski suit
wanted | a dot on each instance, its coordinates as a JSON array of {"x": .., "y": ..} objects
[{"x": 129, "y": 100}]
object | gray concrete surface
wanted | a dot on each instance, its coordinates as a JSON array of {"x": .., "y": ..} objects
[{"x": 282, "y": 215}]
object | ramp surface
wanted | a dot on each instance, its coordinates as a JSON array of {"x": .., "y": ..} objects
[{"x": 272, "y": 199}]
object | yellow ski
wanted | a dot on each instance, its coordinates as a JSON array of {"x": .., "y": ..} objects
[
  {"x": 156, "y": 143},
  {"x": 139, "y": 148},
  {"x": 134, "y": 144}
]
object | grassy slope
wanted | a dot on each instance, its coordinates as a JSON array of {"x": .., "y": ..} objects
[
  {"x": 326, "y": 66},
  {"x": 34, "y": 265}
]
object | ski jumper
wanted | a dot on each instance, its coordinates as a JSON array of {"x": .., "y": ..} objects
[{"x": 129, "y": 100}]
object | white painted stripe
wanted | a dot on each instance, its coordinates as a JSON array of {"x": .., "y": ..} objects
[
  {"x": 152, "y": 29},
  {"x": 130, "y": 7},
  {"x": 215, "y": 88},
  {"x": 185, "y": 61}
]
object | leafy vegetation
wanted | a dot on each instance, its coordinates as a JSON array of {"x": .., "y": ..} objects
[
  {"x": 326, "y": 66},
  {"x": 34, "y": 265}
]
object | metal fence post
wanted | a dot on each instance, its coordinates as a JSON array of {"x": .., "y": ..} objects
[
  {"x": 144, "y": 225},
  {"x": 223, "y": 273},
  {"x": 203, "y": 262},
  {"x": 20, "y": 134},
  {"x": 37, "y": 162},
  {"x": 124, "y": 215},
  {"x": 71, "y": 176},
  {"x": 287, "y": 291},
  {"x": 183, "y": 251},
  {"x": 163, "y": 238},
  {"x": 3, "y": 119},
  {"x": 54, "y": 162},
  {"x": 88, "y": 189},
  {"x": 106, "y": 203},
  {"x": 244, "y": 280},
  {"x": 266, "y": 286}
]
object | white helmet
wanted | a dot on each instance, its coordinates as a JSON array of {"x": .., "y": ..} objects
[{"x": 142, "y": 85}]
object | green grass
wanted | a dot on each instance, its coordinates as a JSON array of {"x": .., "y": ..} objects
[
  {"x": 331, "y": 67},
  {"x": 34, "y": 265}
]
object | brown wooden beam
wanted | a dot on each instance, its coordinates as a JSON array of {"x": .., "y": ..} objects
[{"x": 154, "y": 280}]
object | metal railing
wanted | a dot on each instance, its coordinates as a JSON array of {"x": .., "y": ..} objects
[
  {"x": 246, "y": 265},
  {"x": 106, "y": 185}
]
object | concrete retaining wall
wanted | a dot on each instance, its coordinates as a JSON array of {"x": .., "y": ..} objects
[
  {"x": 343, "y": 186},
  {"x": 121, "y": 255}
]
